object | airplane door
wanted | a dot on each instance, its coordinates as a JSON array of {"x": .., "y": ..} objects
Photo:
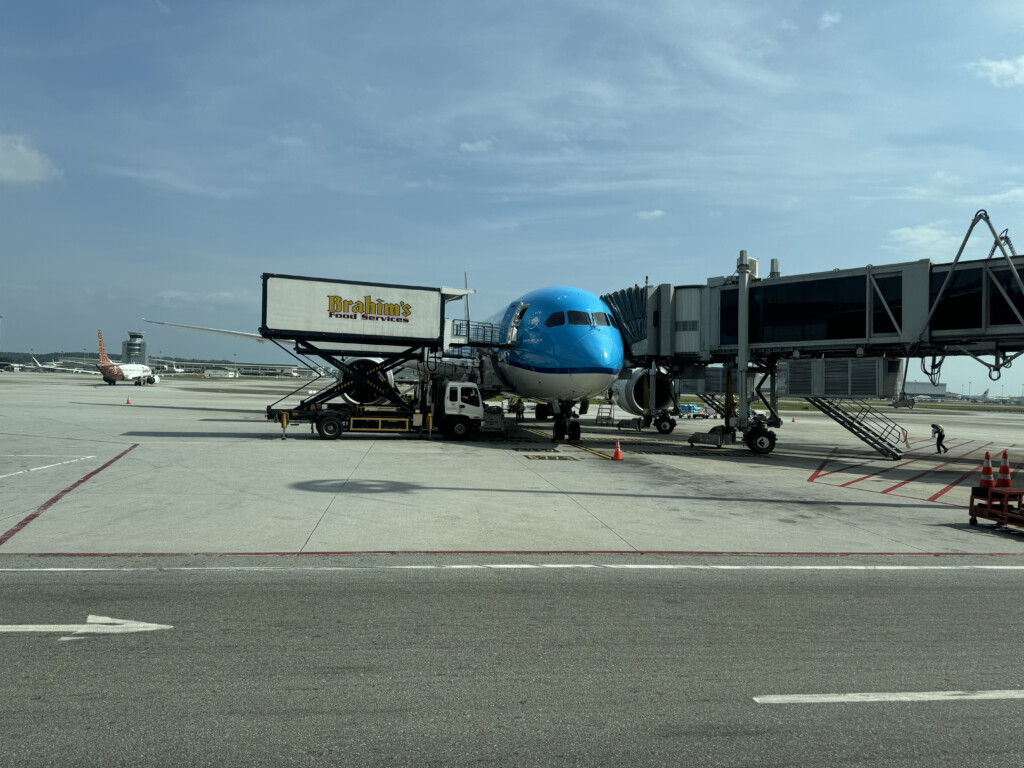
[{"x": 513, "y": 325}]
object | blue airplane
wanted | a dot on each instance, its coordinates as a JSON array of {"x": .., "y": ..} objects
[{"x": 566, "y": 350}]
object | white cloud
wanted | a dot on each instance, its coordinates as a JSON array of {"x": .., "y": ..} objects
[
  {"x": 649, "y": 215},
  {"x": 291, "y": 142},
  {"x": 927, "y": 241},
  {"x": 1005, "y": 72},
  {"x": 21, "y": 163},
  {"x": 477, "y": 147},
  {"x": 1011, "y": 196},
  {"x": 829, "y": 19},
  {"x": 178, "y": 183}
]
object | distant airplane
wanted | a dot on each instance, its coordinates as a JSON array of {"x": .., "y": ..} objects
[
  {"x": 112, "y": 372},
  {"x": 565, "y": 350},
  {"x": 58, "y": 368}
]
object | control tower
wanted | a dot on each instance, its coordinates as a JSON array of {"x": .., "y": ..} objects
[{"x": 133, "y": 349}]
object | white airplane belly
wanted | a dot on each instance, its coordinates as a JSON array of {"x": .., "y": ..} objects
[{"x": 550, "y": 387}]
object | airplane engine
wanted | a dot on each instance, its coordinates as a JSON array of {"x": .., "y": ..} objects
[
  {"x": 630, "y": 394},
  {"x": 154, "y": 379},
  {"x": 363, "y": 394}
]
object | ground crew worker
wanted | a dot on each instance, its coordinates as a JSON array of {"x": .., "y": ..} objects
[
  {"x": 520, "y": 409},
  {"x": 939, "y": 434}
]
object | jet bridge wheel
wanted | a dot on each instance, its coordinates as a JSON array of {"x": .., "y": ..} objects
[
  {"x": 329, "y": 427},
  {"x": 760, "y": 441}
]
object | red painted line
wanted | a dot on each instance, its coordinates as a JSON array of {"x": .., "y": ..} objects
[
  {"x": 47, "y": 504},
  {"x": 933, "y": 469},
  {"x": 817, "y": 472},
  {"x": 879, "y": 472}
]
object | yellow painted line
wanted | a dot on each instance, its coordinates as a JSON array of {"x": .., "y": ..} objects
[{"x": 596, "y": 453}]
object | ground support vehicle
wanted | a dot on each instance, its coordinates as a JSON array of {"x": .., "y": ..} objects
[
  {"x": 453, "y": 408},
  {"x": 1001, "y": 505}
]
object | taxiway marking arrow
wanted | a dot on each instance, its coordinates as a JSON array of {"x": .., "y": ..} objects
[{"x": 94, "y": 625}]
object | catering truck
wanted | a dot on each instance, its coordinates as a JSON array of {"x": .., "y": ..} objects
[{"x": 368, "y": 331}]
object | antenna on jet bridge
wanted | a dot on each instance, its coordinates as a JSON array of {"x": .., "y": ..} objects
[{"x": 465, "y": 284}]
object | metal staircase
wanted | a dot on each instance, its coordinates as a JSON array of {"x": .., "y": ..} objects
[
  {"x": 873, "y": 427},
  {"x": 714, "y": 402},
  {"x": 605, "y": 415}
]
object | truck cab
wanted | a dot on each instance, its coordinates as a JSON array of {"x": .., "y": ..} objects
[{"x": 463, "y": 409}]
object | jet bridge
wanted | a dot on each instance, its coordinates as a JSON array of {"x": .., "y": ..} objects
[{"x": 750, "y": 323}]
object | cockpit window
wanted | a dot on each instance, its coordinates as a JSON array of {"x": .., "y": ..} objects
[
  {"x": 577, "y": 317},
  {"x": 556, "y": 318},
  {"x": 600, "y": 318}
]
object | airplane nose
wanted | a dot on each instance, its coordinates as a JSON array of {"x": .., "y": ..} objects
[{"x": 592, "y": 356}]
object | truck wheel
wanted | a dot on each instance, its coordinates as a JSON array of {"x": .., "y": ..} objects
[
  {"x": 761, "y": 441},
  {"x": 329, "y": 427},
  {"x": 458, "y": 429},
  {"x": 665, "y": 426}
]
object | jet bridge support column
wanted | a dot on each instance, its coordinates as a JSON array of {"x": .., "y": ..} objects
[{"x": 743, "y": 341}]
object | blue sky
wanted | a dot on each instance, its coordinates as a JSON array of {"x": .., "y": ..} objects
[{"x": 157, "y": 156}]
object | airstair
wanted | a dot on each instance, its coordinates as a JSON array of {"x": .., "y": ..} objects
[
  {"x": 605, "y": 415},
  {"x": 870, "y": 425}
]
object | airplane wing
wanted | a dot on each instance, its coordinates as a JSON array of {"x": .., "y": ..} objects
[{"x": 242, "y": 334}]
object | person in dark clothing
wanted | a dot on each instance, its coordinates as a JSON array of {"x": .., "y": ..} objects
[{"x": 939, "y": 434}]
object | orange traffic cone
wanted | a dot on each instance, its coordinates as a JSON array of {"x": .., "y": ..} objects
[
  {"x": 129, "y": 401},
  {"x": 793, "y": 421},
  {"x": 987, "y": 480},
  {"x": 617, "y": 456},
  {"x": 1003, "y": 479}
]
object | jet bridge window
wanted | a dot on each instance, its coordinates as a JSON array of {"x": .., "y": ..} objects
[
  {"x": 555, "y": 318},
  {"x": 600, "y": 318},
  {"x": 891, "y": 290},
  {"x": 1000, "y": 312},
  {"x": 576, "y": 317},
  {"x": 808, "y": 310},
  {"x": 961, "y": 305}
]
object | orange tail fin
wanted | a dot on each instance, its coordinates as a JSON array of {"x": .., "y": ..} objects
[{"x": 104, "y": 360}]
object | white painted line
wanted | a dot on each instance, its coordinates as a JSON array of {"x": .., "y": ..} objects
[
  {"x": 518, "y": 567},
  {"x": 48, "y": 466},
  {"x": 841, "y": 698},
  {"x": 94, "y": 625}
]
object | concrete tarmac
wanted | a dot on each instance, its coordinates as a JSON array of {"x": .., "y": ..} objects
[
  {"x": 401, "y": 601},
  {"x": 192, "y": 466}
]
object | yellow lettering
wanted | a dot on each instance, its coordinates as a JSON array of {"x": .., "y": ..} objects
[
  {"x": 406, "y": 309},
  {"x": 334, "y": 304},
  {"x": 357, "y": 307}
]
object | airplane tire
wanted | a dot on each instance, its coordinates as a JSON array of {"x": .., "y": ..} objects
[
  {"x": 559, "y": 430},
  {"x": 542, "y": 412},
  {"x": 329, "y": 427},
  {"x": 574, "y": 431},
  {"x": 665, "y": 426}
]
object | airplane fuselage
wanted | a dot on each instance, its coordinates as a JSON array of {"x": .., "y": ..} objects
[
  {"x": 566, "y": 347},
  {"x": 130, "y": 372}
]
